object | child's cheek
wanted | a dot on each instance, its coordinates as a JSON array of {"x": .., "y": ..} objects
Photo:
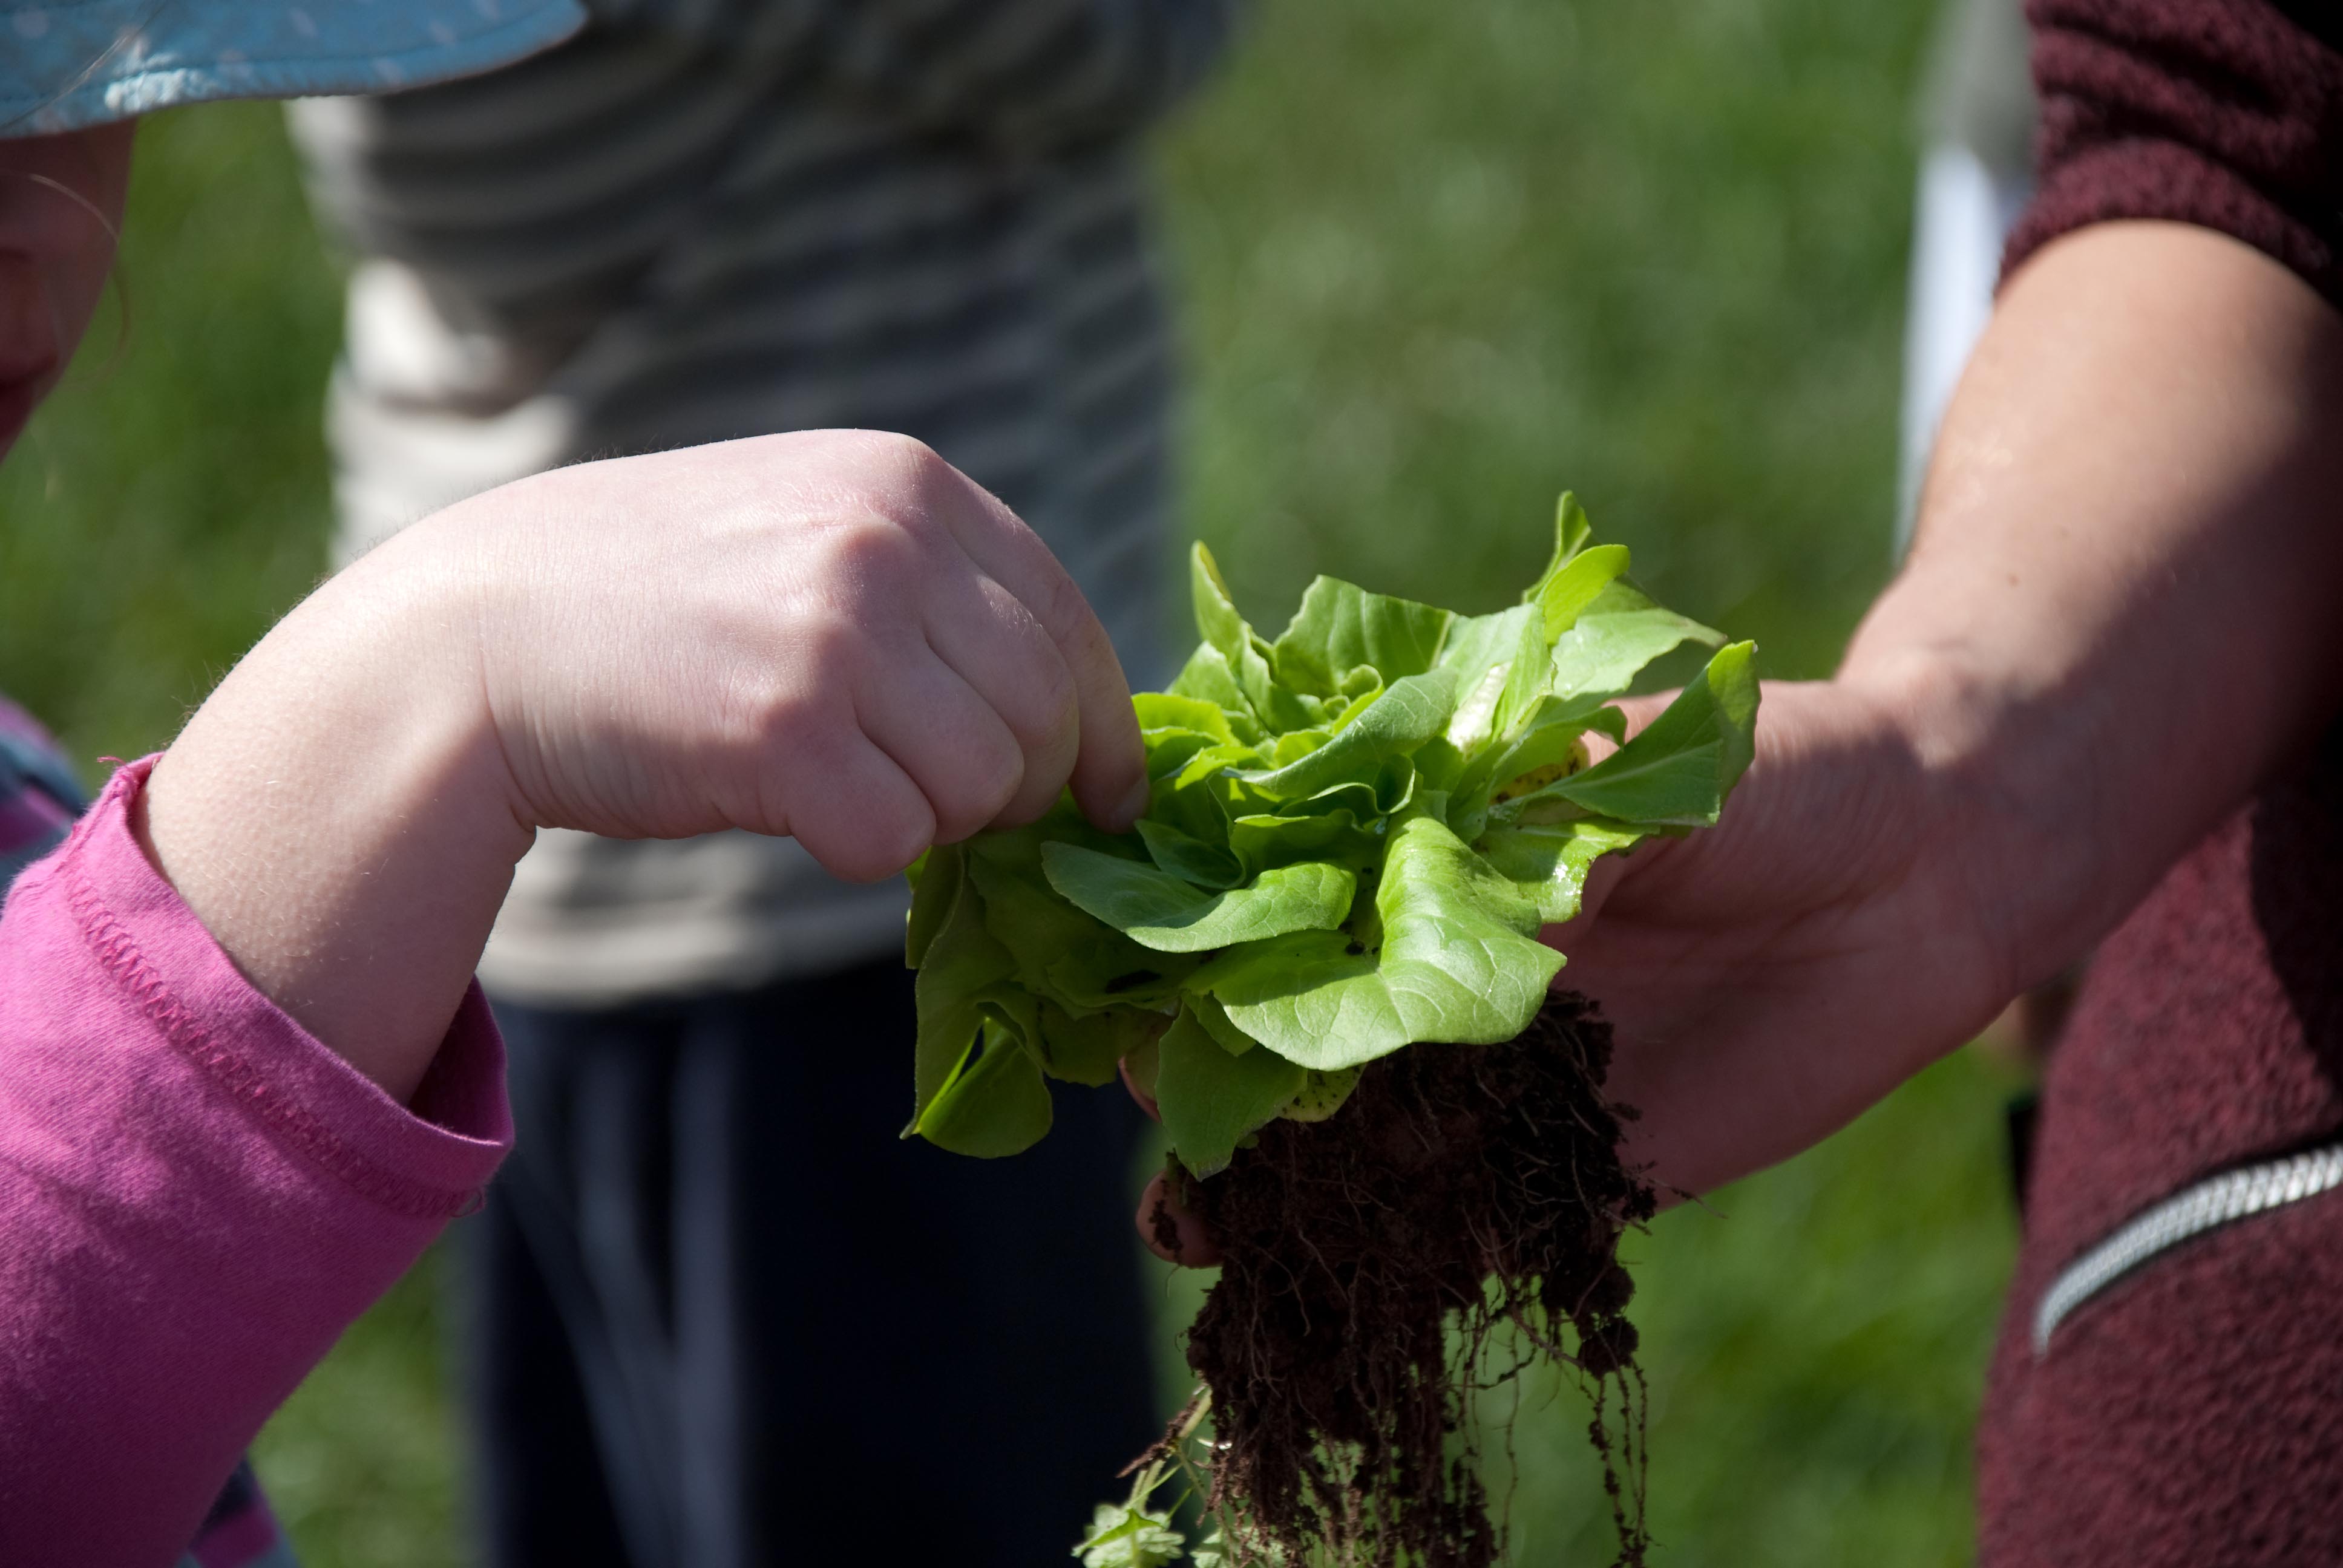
[{"x": 61, "y": 201}]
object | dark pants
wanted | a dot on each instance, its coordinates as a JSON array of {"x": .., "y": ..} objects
[{"x": 718, "y": 1314}]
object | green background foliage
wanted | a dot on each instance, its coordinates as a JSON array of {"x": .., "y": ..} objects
[{"x": 1440, "y": 261}]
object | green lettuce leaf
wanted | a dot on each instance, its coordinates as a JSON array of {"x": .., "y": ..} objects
[
  {"x": 1278, "y": 708},
  {"x": 1340, "y": 629},
  {"x": 935, "y": 883},
  {"x": 1159, "y": 910},
  {"x": 1121, "y": 1536},
  {"x": 1566, "y": 596},
  {"x": 994, "y": 1108},
  {"x": 1317, "y": 998},
  {"x": 1409, "y": 712},
  {"x": 1207, "y": 677},
  {"x": 1353, "y": 838},
  {"x": 1572, "y": 530},
  {"x": 1678, "y": 771},
  {"x": 1218, "y": 1024},
  {"x": 962, "y": 967},
  {"x": 1163, "y": 711},
  {"x": 1548, "y": 863},
  {"x": 1086, "y": 1048},
  {"x": 1459, "y": 963},
  {"x": 1263, "y": 840},
  {"x": 1211, "y": 1101},
  {"x": 1619, "y": 632},
  {"x": 1481, "y": 653},
  {"x": 1061, "y": 951},
  {"x": 1191, "y": 859}
]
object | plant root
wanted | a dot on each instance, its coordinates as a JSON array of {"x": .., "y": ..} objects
[{"x": 1368, "y": 1261}]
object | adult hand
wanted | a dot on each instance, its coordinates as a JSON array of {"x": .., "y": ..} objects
[
  {"x": 2119, "y": 616},
  {"x": 834, "y": 635},
  {"x": 1765, "y": 978},
  {"x": 1769, "y": 979}
]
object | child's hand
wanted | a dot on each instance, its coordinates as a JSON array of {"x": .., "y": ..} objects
[{"x": 834, "y": 635}]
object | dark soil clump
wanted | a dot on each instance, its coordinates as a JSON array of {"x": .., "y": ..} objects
[{"x": 1461, "y": 1188}]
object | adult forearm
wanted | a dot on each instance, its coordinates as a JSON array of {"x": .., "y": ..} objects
[
  {"x": 2122, "y": 610},
  {"x": 2125, "y": 600}
]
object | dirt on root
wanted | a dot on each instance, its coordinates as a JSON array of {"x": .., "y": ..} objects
[{"x": 1369, "y": 1263}]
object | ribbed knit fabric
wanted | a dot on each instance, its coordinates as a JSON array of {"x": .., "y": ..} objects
[
  {"x": 2226, "y": 113},
  {"x": 2188, "y": 1414}
]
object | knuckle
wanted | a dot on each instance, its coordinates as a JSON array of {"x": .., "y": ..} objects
[
  {"x": 775, "y": 735},
  {"x": 920, "y": 467},
  {"x": 906, "y": 454},
  {"x": 830, "y": 647},
  {"x": 867, "y": 559},
  {"x": 799, "y": 702},
  {"x": 903, "y": 467},
  {"x": 1063, "y": 609}
]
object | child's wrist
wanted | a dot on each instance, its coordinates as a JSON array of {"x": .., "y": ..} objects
[{"x": 339, "y": 817}]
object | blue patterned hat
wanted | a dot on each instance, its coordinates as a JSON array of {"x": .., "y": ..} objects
[{"x": 67, "y": 63}]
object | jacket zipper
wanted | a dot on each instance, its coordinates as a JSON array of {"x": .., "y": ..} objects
[{"x": 2188, "y": 1213}]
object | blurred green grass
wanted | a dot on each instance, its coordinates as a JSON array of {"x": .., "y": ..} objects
[
  {"x": 1439, "y": 262},
  {"x": 169, "y": 502}
]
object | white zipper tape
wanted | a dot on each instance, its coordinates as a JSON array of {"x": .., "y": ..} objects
[{"x": 2211, "y": 1203}]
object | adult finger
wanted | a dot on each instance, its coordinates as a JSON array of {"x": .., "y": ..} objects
[
  {"x": 1146, "y": 1101},
  {"x": 1172, "y": 1232}
]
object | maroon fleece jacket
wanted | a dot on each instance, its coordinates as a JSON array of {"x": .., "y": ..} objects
[
  {"x": 2192, "y": 1412},
  {"x": 2226, "y": 114}
]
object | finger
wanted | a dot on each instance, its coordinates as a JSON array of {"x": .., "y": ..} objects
[
  {"x": 1110, "y": 772},
  {"x": 947, "y": 740},
  {"x": 1146, "y": 1101},
  {"x": 992, "y": 642},
  {"x": 1171, "y": 1231},
  {"x": 853, "y": 809}
]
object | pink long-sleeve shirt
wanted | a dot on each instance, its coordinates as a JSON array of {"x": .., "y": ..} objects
[{"x": 197, "y": 1197}]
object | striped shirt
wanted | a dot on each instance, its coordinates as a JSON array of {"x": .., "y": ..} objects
[{"x": 711, "y": 218}]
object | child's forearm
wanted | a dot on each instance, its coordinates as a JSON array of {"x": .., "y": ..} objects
[
  {"x": 339, "y": 814},
  {"x": 834, "y": 636}
]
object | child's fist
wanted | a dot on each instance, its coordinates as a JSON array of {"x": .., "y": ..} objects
[{"x": 835, "y": 636}]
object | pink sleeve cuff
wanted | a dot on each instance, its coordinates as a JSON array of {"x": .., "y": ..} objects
[
  {"x": 197, "y": 1197},
  {"x": 429, "y": 1161}
]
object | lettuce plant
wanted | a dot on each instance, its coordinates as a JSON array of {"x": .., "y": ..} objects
[{"x": 1354, "y": 834}]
